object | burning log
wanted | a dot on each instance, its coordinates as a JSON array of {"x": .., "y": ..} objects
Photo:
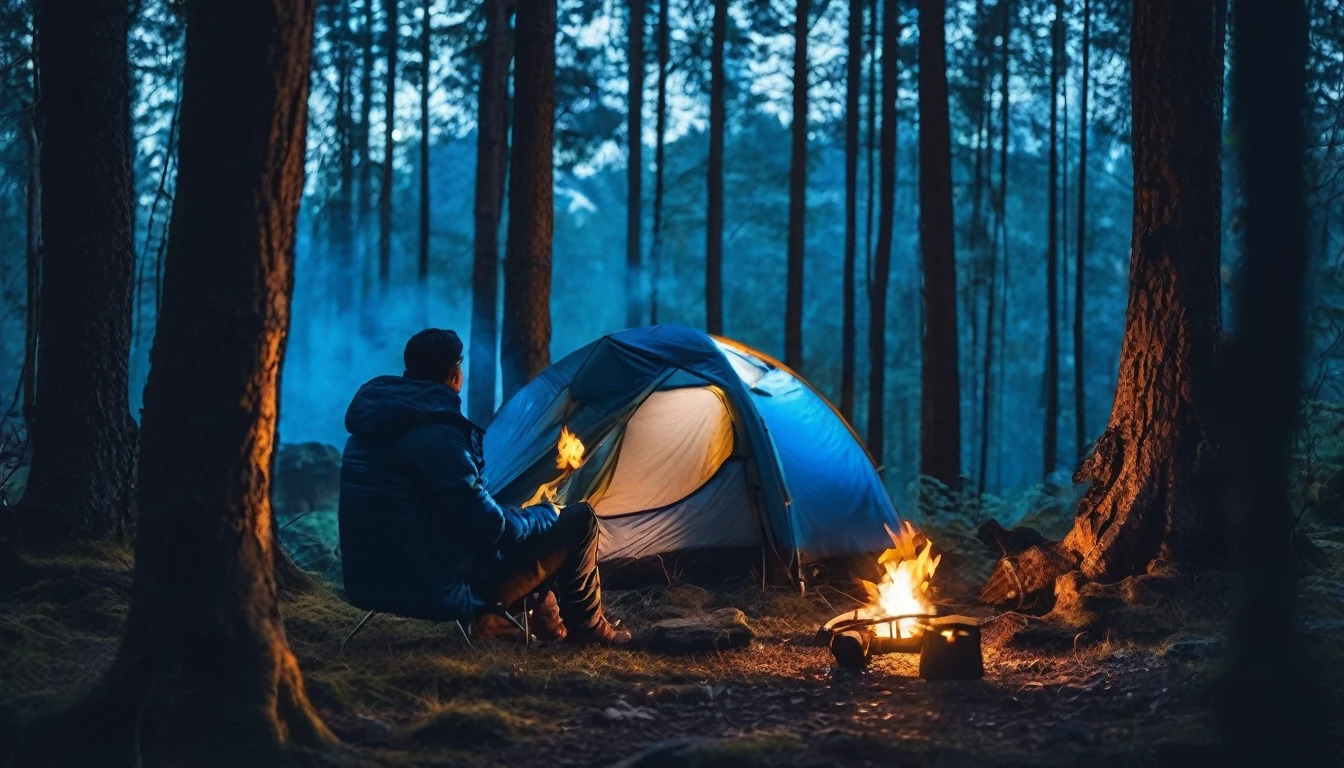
[{"x": 951, "y": 650}]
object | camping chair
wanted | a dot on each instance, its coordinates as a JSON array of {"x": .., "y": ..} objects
[{"x": 524, "y": 623}]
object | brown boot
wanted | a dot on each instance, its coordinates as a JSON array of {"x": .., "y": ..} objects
[
  {"x": 493, "y": 627},
  {"x": 602, "y": 634},
  {"x": 546, "y": 623}
]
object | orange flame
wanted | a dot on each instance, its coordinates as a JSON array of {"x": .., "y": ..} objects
[
  {"x": 904, "y": 587},
  {"x": 568, "y": 457},
  {"x": 569, "y": 450}
]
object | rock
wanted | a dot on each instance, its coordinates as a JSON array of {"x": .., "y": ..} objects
[
  {"x": 1002, "y": 541},
  {"x": 719, "y": 630},
  {"x": 307, "y": 477},
  {"x": 623, "y": 711},
  {"x": 1194, "y": 648}
]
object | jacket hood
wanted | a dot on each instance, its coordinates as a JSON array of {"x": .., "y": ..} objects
[{"x": 388, "y": 405}]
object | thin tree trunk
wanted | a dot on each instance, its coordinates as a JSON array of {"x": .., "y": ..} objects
[
  {"x": 527, "y": 266},
  {"x": 385, "y": 189},
  {"x": 1079, "y": 361},
  {"x": 83, "y": 438},
  {"x": 1050, "y": 450},
  {"x": 940, "y": 414},
  {"x": 659, "y": 159},
  {"x": 492, "y": 158},
  {"x": 1150, "y": 472},
  {"x": 881, "y": 276},
  {"x": 634, "y": 220},
  {"x": 32, "y": 300},
  {"x": 793, "y": 298},
  {"x": 1000, "y": 210},
  {"x": 204, "y": 669},
  {"x": 345, "y": 197},
  {"x": 853, "y": 76},
  {"x": 714, "y": 212},
  {"x": 365, "y": 148},
  {"x": 1271, "y": 713},
  {"x": 423, "y": 273},
  {"x": 1003, "y": 234}
]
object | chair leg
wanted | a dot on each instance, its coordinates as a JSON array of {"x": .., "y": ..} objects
[
  {"x": 466, "y": 636},
  {"x": 358, "y": 627}
]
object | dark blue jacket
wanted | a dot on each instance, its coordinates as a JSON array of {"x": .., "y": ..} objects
[{"x": 416, "y": 521}]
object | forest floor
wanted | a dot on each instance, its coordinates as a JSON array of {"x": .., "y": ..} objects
[{"x": 413, "y": 693}]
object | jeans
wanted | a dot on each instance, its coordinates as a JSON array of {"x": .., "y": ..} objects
[{"x": 565, "y": 556}]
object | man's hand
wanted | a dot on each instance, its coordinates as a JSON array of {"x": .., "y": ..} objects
[{"x": 554, "y": 506}]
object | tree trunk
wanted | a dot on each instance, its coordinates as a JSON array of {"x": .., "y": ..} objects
[
  {"x": 881, "y": 276},
  {"x": 385, "y": 189},
  {"x": 853, "y": 78},
  {"x": 1050, "y": 450},
  {"x": 714, "y": 212},
  {"x": 793, "y": 298},
  {"x": 1000, "y": 229},
  {"x": 940, "y": 414},
  {"x": 345, "y": 196},
  {"x": 492, "y": 158},
  {"x": 33, "y": 259},
  {"x": 365, "y": 148},
  {"x": 527, "y": 266},
  {"x": 1150, "y": 471},
  {"x": 659, "y": 159},
  {"x": 634, "y": 167},
  {"x": 83, "y": 438},
  {"x": 1270, "y": 713},
  {"x": 1003, "y": 235},
  {"x": 1079, "y": 366},
  {"x": 423, "y": 273},
  {"x": 204, "y": 674}
]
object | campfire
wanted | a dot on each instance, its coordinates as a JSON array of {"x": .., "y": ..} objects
[
  {"x": 903, "y": 590},
  {"x": 900, "y": 618},
  {"x": 568, "y": 457}
]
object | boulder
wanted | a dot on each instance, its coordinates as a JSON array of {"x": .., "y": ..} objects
[
  {"x": 307, "y": 477},
  {"x": 719, "y": 630}
]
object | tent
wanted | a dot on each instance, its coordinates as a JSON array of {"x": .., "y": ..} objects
[{"x": 692, "y": 443}]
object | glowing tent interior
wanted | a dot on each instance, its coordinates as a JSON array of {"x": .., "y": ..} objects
[{"x": 692, "y": 443}]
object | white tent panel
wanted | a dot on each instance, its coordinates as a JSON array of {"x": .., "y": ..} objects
[
  {"x": 674, "y": 442},
  {"x": 720, "y": 514}
]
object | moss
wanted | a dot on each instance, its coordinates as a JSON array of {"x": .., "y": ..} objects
[{"x": 464, "y": 724}]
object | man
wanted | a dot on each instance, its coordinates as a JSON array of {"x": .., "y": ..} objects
[{"x": 420, "y": 534}]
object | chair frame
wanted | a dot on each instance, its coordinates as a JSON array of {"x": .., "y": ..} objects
[{"x": 525, "y": 624}]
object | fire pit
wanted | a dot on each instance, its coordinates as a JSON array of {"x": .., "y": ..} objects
[{"x": 899, "y": 618}]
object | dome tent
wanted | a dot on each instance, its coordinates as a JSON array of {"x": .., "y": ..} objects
[{"x": 692, "y": 443}]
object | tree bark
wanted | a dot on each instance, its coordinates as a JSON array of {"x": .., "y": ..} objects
[
  {"x": 1270, "y": 713},
  {"x": 365, "y": 147},
  {"x": 659, "y": 159},
  {"x": 853, "y": 78},
  {"x": 1050, "y": 443},
  {"x": 527, "y": 266},
  {"x": 940, "y": 414},
  {"x": 492, "y": 158},
  {"x": 385, "y": 190},
  {"x": 1079, "y": 365},
  {"x": 881, "y": 276},
  {"x": 423, "y": 273},
  {"x": 793, "y": 298},
  {"x": 634, "y": 167},
  {"x": 83, "y": 438},
  {"x": 1000, "y": 228},
  {"x": 345, "y": 197},
  {"x": 1003, "y": 233},
  {"x": 204, "y": 674},
  {"x": 33, "y": 264},
  {"x": 1150, "y": 471},
  {"x": 714, "y": 211}
]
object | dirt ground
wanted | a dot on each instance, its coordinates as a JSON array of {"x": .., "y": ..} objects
[{"x": 414, "y": 693}]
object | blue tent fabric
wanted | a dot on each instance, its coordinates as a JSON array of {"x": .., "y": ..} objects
[{"x": 816, "y": 492}]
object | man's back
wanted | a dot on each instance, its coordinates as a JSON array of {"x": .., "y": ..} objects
[{"x": 410, "y": 526}]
